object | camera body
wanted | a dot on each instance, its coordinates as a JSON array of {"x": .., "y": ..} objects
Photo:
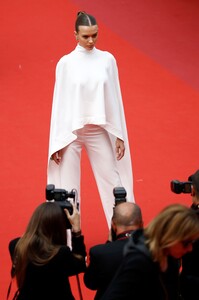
[
  {"x": 179, "y": 187},
  {"x": 61, "y": 196},
  {"x": 119, "y": 194}
]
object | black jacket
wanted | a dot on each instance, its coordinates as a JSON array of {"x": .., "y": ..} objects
[
  {"x": 139, "y": 277},
  {"x": 104, "y": 260},
  {"x": 50, "y": 282},
  {"x": 189, "y": 277}
]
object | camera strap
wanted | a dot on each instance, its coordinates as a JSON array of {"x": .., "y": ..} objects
[
  {"x": 13, "y": 290},
  {"x": 79, "y": 287}
]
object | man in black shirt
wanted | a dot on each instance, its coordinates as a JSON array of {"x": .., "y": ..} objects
[{"x": 105, "y": 259}]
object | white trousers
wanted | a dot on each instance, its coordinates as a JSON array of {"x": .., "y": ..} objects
[{"x": 102, "y": 158}]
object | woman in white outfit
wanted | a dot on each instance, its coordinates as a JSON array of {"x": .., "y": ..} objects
[{"x": 88, "y": 112}]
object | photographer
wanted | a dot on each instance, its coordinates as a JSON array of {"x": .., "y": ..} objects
[
  {"x": 149, "y": 269},
  {"x": 190, "y": 262},
  {"x": 106, "y": 258},
  {"x": 41, "y": 260}
]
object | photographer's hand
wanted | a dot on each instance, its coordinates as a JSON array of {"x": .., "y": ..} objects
[
  {"x": 120, "y": 148},
  {"x": 74, "y": 219}
]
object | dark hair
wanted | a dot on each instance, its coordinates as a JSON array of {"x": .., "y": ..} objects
[
  {"x": 84, "y": 19},
  {"x": 194, "y": 178},
  {"x": 45, "y": 233}
]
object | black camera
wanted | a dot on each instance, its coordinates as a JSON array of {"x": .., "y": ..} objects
[
  {"x": 61, "y": 196},
  {"x": 119, "y": 194},
  {"x": 179, "y": 187}
]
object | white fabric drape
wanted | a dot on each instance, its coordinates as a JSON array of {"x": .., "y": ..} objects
[{"x": 87, "y": 91}]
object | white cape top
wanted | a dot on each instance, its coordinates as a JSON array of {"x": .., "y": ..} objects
[{"x": 87, "y": 91}]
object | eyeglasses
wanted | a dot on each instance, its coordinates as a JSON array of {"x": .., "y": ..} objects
[{"x": 187, "y": 243}]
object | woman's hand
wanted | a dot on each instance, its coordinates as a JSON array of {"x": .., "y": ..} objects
[
  {"x": 120, "y": 148},
  {"x": 56, "y": 157},
  {"x": 74, "y": 219}
]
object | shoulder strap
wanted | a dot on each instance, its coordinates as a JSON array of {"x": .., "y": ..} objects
[{"x": 9, "y": 290}]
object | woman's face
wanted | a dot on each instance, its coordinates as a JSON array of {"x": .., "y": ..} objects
[
  {"x": 181, "y": 248},
  {"x": 87, "y": 36}
]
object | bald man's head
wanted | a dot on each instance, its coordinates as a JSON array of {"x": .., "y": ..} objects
[{"x": 127, "y": 214}]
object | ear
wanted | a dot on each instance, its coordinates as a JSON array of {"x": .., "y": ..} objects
[
  {"x": 193, "y": 193},
  {"x": 141, "y": 224},
  {"x": 76, "y": 35},
  {"x": 113, "y": 226}
]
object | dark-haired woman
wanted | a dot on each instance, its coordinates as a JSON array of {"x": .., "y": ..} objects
[
  {"x": 88, "y": 112},
  {"x": 41, "y": 260}
]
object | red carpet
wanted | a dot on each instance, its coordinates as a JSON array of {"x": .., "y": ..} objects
[{"x": 156, "y": 46}]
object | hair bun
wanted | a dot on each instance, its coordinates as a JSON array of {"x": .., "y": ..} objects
[{"x": 81, "y": 13}]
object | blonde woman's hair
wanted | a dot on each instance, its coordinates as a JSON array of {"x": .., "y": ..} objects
[{"x": 175, "y": 223}]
